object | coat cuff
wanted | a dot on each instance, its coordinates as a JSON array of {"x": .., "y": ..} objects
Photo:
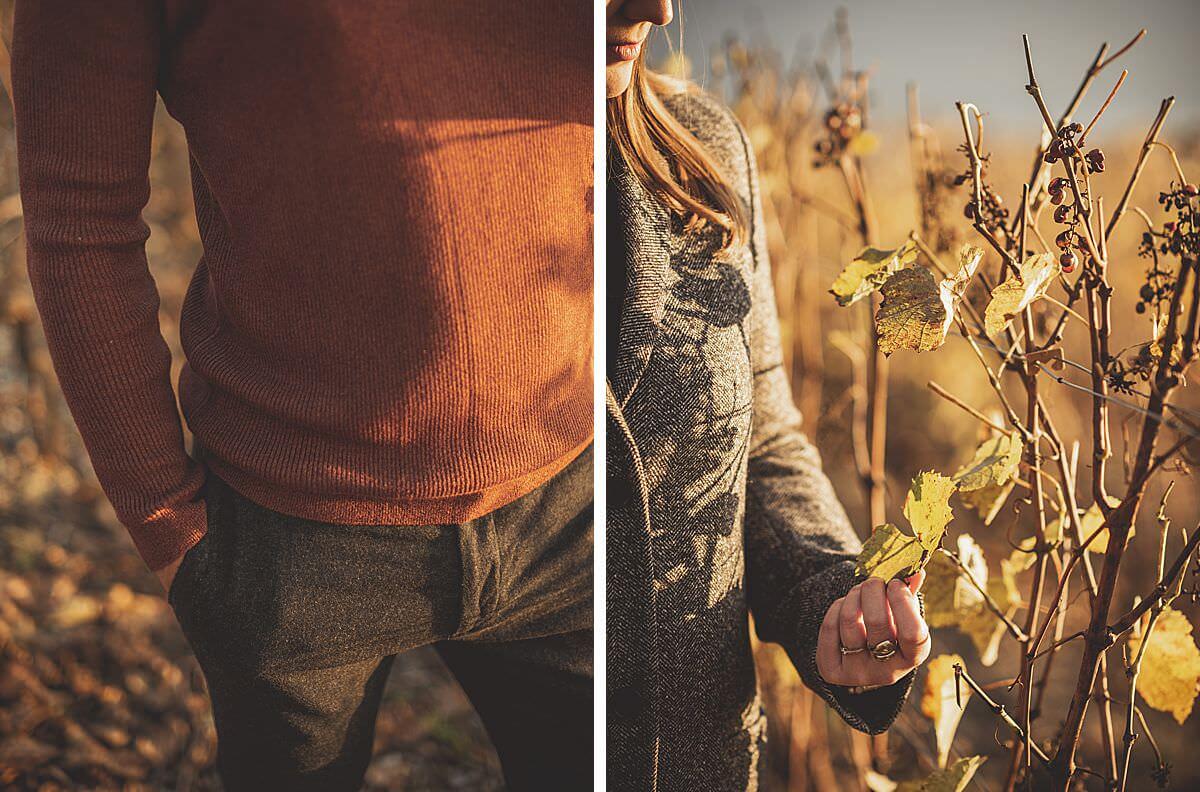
[{"x": 871, "y": 711}]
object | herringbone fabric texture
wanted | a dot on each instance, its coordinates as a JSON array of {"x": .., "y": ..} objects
[{"x": 717, "y": 504}]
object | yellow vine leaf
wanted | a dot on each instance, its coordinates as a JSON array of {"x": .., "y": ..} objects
[
  {"x": 1170, "y": 675},
  {"x": 927, "y": 507},
  {"x": 982, "y": 625},
  {"x": 1054, "y": 528},
  {"x": 917, "y": 311},
  {"x": 940, "y": 702},
  {"x": 1021, "y": 558},
  {"x": 995, "y": 462},
  {"x": 946, "y": 592},
  {"x": 952, "y": 600},
  {"x": 1004, "y": 590},
  {"x": 891, "y": 553},
  {"x": 953, "y": 779},
  {"x": 987, "y": 501},
  {"x": 985, "y": 632},
  {"x": 1015, "y": 294},
  {"x": 1092, "y": 519},
  {"x": 869, "y": 270}
]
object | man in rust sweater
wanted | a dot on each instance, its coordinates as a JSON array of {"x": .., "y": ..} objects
[{"x": 388, "y": 345}]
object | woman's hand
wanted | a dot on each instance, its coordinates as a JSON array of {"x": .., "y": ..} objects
[{"x": 859, "y": 622}]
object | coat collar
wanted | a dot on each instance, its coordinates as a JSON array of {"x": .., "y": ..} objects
[{"x": 647, "y": 250}]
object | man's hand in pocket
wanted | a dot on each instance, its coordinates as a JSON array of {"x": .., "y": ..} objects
[{"x": 167, "y": 573}]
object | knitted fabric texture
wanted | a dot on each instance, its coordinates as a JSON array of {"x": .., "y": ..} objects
[
  {"x": 717, "y": 503},
  {"x": 391, "y": 320}
]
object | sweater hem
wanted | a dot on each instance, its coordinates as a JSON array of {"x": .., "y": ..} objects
[{"x": 347, "y": 510}]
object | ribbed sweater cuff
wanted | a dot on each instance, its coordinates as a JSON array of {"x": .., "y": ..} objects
[{"x": 170, "y": 533}]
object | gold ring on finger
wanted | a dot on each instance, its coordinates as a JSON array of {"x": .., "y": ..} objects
[
  {"x": 846, "y": 651},
  {"x": 885, "y": 649}
]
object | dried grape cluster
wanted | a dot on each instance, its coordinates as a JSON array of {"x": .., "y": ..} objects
[
  {"x": 1180, "y": 237},
  {"x": 1121, "y": 376},
  {"x": 1064, "y": 146},
  {"x": 843, "y": 123},
  {"x": 994, "y": 214},
  {"x": 1067, "y": 214},
  {"x": 1159, "y": 285},
  {"x": 1062, "y": 149}
]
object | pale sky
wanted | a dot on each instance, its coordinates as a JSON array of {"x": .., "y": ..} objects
[{"x": 971, "y": 50}]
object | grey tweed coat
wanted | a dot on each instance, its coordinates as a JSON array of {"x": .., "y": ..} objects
[{"x": 717, "y": 504}]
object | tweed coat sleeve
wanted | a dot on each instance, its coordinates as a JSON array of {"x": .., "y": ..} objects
[{"x": 800, "y": 546}]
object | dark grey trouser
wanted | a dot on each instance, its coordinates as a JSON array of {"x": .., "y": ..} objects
[{"x": 296, "y": 623}]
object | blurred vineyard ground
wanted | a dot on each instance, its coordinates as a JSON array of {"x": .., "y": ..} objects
[
  {"x": 98, "y": 687},
  {"x": 811, "y": 236}
]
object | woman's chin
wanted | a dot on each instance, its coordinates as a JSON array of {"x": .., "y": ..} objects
[{"x": 617, "y": 77}]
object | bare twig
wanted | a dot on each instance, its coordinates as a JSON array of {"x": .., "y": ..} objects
[
  {"x": 998, "y": 710},
  {"x": 1111, "y": 95}
]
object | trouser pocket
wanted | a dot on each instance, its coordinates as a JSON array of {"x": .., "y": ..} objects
[
  {"x": 192, "y": 564},
  {"x": 273, "y": 591}
]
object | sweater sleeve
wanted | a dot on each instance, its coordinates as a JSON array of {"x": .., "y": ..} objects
[
  {"x": 84, "y": 86},
  {"x": 800, "y": 546}
]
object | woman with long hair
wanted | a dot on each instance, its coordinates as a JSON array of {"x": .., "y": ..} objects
[{"x": 717, "y": 503}]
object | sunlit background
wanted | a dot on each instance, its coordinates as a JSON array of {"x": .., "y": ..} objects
[
  {"x": 766, "y": 60},
  {"x": 968, "y": 50}
]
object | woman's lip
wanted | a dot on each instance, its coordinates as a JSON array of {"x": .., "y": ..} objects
[{"x": 623, "y": 51}]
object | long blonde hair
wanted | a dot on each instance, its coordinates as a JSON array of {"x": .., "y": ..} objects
[{"x": 668, "y": 160}]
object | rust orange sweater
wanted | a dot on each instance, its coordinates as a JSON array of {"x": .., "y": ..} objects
[{"x": 391, "y": 321}]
